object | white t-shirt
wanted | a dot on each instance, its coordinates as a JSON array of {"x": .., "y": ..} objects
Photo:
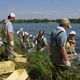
[{"x": 7, "y": 27}]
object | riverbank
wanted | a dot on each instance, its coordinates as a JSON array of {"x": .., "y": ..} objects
[
  {"x": 43, "y": 20},
  {"x": 40, "y": 67}
]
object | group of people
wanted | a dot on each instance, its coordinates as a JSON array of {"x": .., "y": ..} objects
[
  {"x": 26, "y": 39},
  {"x": 57, "y": 44},
  {"x": 31, "y": 41}
]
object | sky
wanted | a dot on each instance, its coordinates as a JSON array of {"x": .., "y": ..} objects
[{"x": 40, "y": 9}]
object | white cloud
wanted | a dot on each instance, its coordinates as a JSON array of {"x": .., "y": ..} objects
[
  {"x": 36, "y": 14},
  {"x": 40, "y": 14}
]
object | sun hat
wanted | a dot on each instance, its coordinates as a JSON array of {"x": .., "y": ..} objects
[
  {"x": 73, "y": 32},
  {"x": 65, "y": 20}
]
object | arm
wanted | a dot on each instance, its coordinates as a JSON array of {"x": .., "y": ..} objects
[
  {"x": 10, "y": 39},
  {"x": 63, "y": 38},
  {"x": 65, "y": 57},
  {"x": 10, "y": 33},
  {"x": 46, "y": 43},
  {"x": 10, "y": 36},
  {"x": 64, "y": 53}
]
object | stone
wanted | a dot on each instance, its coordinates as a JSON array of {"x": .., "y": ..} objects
[
  {"x": 19, "y": 74},
  {"x": 7, "y": 67}
]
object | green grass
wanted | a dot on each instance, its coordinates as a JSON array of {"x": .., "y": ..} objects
[{"x": 40, "y": 67}]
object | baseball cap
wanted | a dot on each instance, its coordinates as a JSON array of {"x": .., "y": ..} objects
[
  {"x": 65, "y": 20},
  {"x": 12, "y": 15},
  {"x": 73, "y": 32}
]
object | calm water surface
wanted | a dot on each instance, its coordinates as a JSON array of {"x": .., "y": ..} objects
[{"x": 33, "y": 28}]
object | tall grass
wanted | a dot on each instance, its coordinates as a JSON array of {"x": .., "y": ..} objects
[
  {"x": 18, "y": 47},
  {"x": 40, "y": 67}
]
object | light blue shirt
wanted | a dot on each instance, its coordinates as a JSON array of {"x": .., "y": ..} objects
[
  {"x": 62, "y": 37},
  {"x": 57, "y": 57}
]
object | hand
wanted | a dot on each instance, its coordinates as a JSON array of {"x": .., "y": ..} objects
[
  {"x": 75, "y": 54},
  {"x": 67, "y": 63},
  {"x": 41, "y": 49},
  {"x": 21, "y": 40},
  {"x": 33, "y": 45},
  {"x": 11, "y": 43}
]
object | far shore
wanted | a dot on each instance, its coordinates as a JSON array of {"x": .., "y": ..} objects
[{"x": 42, "y": 20}]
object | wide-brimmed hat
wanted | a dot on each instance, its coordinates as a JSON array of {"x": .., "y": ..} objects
[{"x": 65, "y": 20}]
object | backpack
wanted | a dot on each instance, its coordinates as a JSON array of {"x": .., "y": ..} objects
[{"x": 4, "y": 32}]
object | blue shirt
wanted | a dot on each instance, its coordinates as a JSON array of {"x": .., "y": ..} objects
[{"x": 61, "y": 41}]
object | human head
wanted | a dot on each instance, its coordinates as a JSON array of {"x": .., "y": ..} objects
[
  {"x": 31, "y": 36},
  {"x": 11, "y": 16},
  {"x": 41, "y": 32},
  {"x": 65, "y": 23},
  {"x": 72, "y": 34},
  {"x": 27, "y": 33}
]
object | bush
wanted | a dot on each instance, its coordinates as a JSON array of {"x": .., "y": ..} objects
[{"x": 40, "y": 66}]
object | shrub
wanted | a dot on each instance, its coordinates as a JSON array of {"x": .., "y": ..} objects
[{"x": 40, "y": 66}]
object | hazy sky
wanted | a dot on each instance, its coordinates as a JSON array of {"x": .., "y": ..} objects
[{"x": 50, "y": 9}]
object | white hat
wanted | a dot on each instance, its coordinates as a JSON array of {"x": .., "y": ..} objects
[
  {"x": 26, "y": 33},
  {"x": 31, "y": 35},
  {"x": 12, "y": 15},
  {"x": 65, "y": 20},
  {"x": 73, "y": 32}
]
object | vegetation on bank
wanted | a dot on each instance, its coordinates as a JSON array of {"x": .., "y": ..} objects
[
  {"x": 43, "y": 20},
  {"x": 39, "y": 66}
]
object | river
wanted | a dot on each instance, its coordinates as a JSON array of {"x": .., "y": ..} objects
[{"x": 33, "y": 28}]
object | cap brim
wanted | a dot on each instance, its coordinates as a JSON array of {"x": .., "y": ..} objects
[{"x": 70, "y": 26}]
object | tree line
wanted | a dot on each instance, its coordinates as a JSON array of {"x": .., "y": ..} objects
[{"x": 42, "y": 20}]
